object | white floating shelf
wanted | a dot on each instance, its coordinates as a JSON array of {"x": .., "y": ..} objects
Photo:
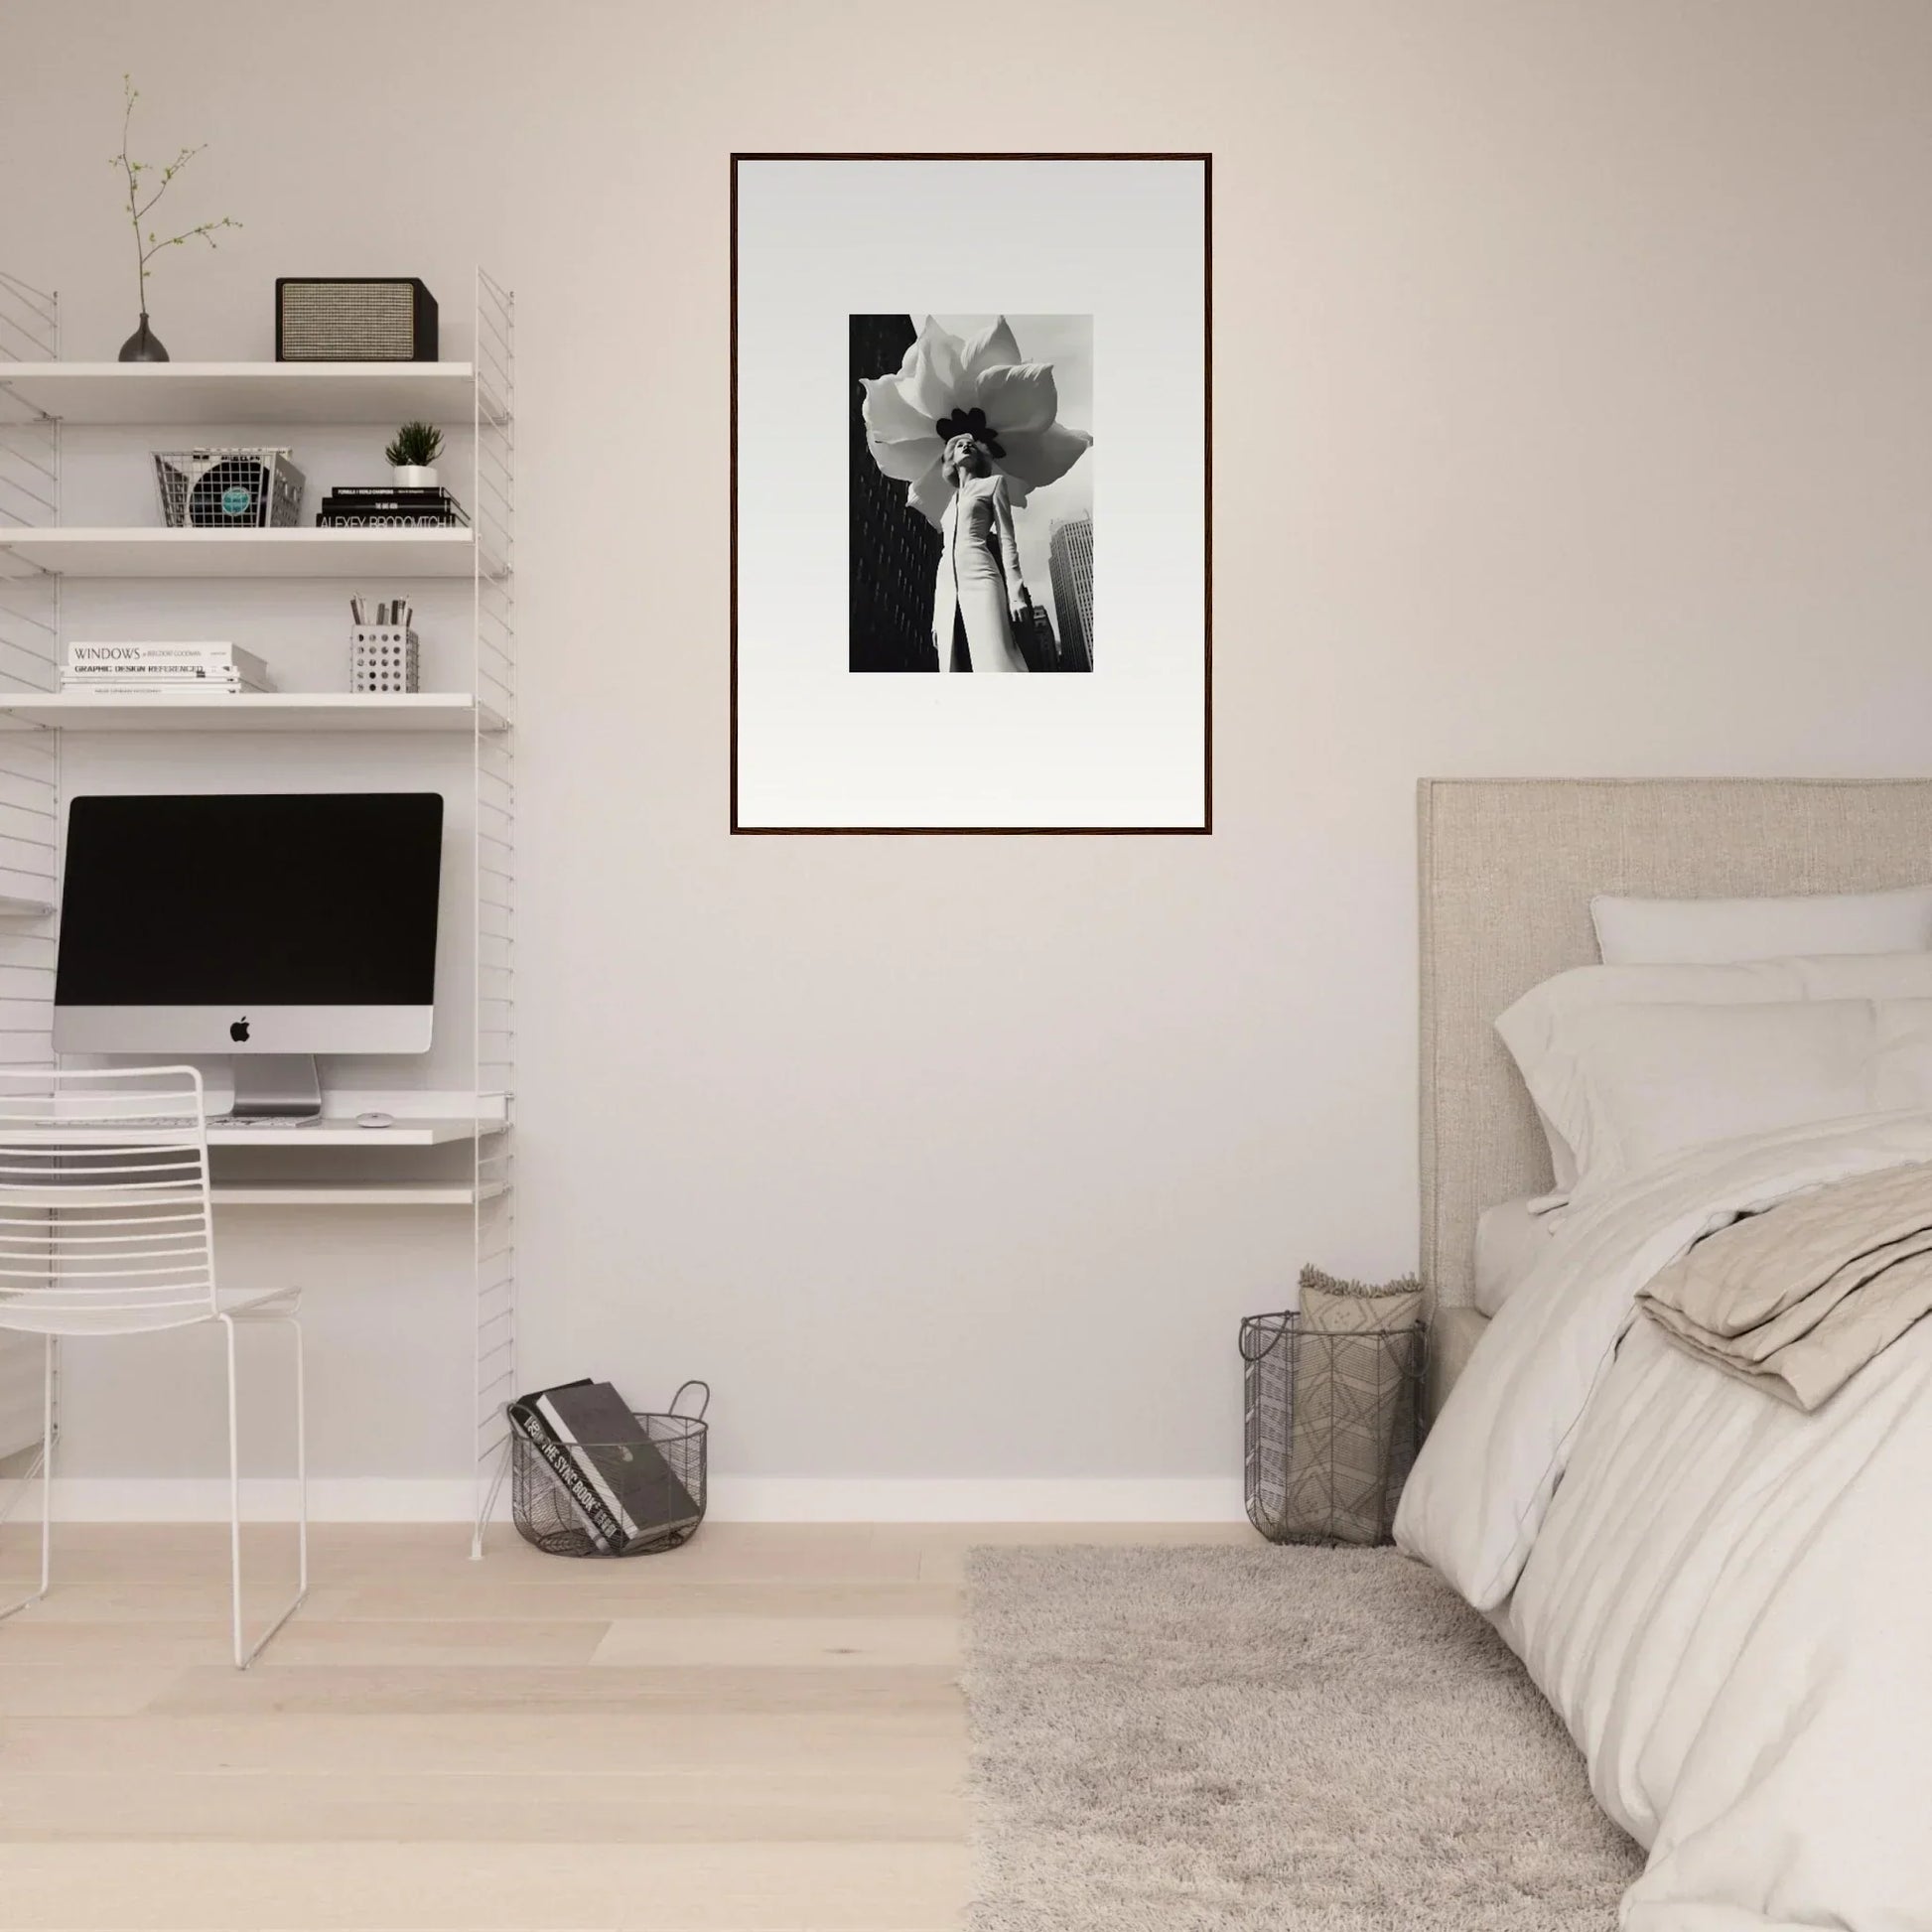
[
  {"x": 346, "y": 1133},
  {"x": 249, "y": 392},
  {"x": 266, "y": 711},
  {"x": 333, "y": 1132},
  {"x": 302, "y": 552},
  {"x": 351, "y": 1193},
  {"x": 22, "y": 909}
]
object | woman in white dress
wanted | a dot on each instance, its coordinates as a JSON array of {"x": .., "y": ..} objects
[{"x": 978, "y": 596}]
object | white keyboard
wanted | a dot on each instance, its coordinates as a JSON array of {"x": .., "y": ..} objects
[{"x": 213, "y": 1119}]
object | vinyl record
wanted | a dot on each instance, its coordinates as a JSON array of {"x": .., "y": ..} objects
[{"x": 231, "y": 492}]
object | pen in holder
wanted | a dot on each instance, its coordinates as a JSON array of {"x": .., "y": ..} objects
[{"x": 383, "y": 658}]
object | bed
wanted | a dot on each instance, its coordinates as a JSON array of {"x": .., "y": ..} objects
[{"x": 1724, "y": 1599}]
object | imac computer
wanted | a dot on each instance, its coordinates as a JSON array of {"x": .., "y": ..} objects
[{"x": 266, "y": 926}]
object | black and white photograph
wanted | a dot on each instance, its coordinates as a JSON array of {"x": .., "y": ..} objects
[
  {"x": 932, "y": 358},
  {"x": 972, "y": 494}
]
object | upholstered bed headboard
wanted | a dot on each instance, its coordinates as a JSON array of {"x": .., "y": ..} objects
[{"x": 1507, "y": 867}]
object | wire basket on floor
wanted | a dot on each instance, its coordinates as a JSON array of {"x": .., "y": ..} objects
[
  {"x": 547, "y": 1515},
  {"x": 1333, "y": 1424}
]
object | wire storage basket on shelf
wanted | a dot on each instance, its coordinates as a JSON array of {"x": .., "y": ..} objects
[
  {"x": 1332, "y": 1425},
  {"x": 228, "y": 488},
  {"x": 554, "y": 1509}
]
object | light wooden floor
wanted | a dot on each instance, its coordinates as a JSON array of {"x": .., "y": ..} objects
[{"x": 761, "y": 1731}]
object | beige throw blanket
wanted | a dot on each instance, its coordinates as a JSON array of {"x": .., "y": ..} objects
[{"x": 1798, "y": 1299}]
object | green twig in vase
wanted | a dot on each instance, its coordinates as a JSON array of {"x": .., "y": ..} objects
[{"x": 147, "y": 244}]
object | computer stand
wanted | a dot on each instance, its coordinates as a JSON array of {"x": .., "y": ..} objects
[{"x": 276, "y": 1087}]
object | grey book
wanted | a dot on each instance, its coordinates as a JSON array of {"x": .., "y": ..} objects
[
  {"x": 525, "y": 1417},
  {"x": 612, "y": 1447}
]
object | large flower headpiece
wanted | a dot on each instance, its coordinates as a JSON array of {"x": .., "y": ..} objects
[{"x": 981, "y": 389}]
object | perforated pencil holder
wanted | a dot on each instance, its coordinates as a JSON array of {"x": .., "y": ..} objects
[{"x": 383, "y": 658}]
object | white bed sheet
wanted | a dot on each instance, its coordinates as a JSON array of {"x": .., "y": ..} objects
[
  {"x": 1724, "y": 1599},
  {"x": 1510, "y": 1241}
]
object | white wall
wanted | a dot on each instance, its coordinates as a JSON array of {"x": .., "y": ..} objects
[{"x": 1574, "y": 378}]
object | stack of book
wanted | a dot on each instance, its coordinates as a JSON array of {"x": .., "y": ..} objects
[
  {"x": 119, "y": 669},
  {"x": 617, "y": 1479},
  {"x": 388, "y": 506}
]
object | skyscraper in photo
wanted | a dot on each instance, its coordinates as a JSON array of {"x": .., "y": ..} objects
[
  {"x": 893, "y": 553},
  {"x": 1034, "y": 633},
  {"x": 1069, "y": 557}
]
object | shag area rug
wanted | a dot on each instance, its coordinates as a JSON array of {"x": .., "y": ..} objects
[{"x": 1216, "y": 1739}]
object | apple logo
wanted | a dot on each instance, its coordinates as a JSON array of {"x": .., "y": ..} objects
[{"x": 239, "y": 1030}]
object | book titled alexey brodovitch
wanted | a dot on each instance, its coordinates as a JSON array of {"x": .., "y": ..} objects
[
  {"x": 375, "y": 506},
  {"x": 616, "y": 1477}
]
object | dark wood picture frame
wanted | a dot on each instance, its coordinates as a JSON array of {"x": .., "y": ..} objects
[{"x": 1206, "y": 826}]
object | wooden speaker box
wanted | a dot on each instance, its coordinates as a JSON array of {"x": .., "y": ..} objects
[{"x": 353, "y": 319}]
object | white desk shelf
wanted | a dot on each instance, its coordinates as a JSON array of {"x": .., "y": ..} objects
[
  {"x": 266, "y": 711},
  {"x": 437, "y": 1131},
  {"x": 348, "y": 394},
  {"x": 75, "y": 551},
  {"x": 347, "y": 1194},
  {"x": 345, "y": 1133},
  {"x": 351, "y": 1193},
  {"x": 44, "y": 568}
]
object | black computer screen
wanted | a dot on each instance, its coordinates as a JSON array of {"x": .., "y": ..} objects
[{"x": 277, "y": 898}]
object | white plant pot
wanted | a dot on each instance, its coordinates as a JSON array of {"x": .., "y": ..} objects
[{"x": 414, "y": 476}]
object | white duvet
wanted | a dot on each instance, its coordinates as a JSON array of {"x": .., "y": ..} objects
[{"x": 1729, "y": 1601}]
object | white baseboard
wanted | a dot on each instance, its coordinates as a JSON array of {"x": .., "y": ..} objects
[
  {"x": 967, "y": 1500},
  {"x": 733, "y": 1499},
  {"x": 205, "y": 1499}
]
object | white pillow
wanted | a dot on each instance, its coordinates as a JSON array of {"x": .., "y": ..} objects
[
  {"x": 1709, "y": 931},
  {"x": 1633, "y": 1085},
  {"x": 1538, "y": 1028}
]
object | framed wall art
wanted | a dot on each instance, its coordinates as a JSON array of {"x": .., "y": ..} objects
[{"x": 971, "y": 543}]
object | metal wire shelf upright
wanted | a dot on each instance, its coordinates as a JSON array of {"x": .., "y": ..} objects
[
  {"x": 494, "y": 502},
  {"x": 30, "y": 796},
  {"x": 30, "y": 776}
]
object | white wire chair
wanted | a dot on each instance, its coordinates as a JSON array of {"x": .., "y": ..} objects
[{"x": 107, "y": 1228}]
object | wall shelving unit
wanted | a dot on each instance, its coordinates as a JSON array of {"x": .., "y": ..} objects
[{"x": 40, "y": 394}]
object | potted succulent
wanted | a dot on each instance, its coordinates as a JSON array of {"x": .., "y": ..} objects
[{"x": 412, "y": 455}]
